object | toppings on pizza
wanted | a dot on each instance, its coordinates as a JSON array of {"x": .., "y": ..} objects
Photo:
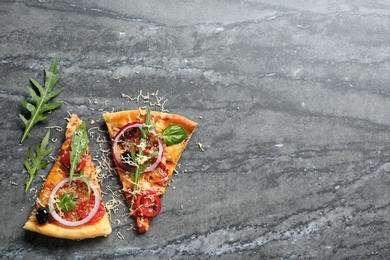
[
  {"x": 137, "y": 148},
  {"x": 65, "y": 159},
  {"x": 146, "y": 146},
  {"x": 69, "y": 204},
  {"x": 147, "y": 204},
  {"x": 135, "y": 145},
  {"x": 42, "y": 215}
]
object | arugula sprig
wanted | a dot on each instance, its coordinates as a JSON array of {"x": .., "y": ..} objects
[
  {"x": 78, "y": 147},
  {"x": 171, "y": 135},
  {"x": 79, "y": 144},
  {"x": 35, "y": 160},
  {"x": 41, "y": 97},
  {"x": 67, "y": 201},
  {"x": 139, "y": 159}
]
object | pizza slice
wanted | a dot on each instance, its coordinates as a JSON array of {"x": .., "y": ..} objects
[
  {"x": 69, "y": 205},
  {"x": 146, "y": 147}
]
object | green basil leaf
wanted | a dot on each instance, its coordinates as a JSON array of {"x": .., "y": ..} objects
[
  {"x": 78, "y": 147},
  {"x": 67, "y": 202},
  {"x": 173, "y": 134}
]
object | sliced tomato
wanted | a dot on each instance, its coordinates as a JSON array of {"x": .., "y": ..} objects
[
  {"x": 147, "y": 204},
  {"x": 85, "y": 207},
  {"x": 65, "y": 159}
]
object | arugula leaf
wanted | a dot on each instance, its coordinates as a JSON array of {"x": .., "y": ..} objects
[
  {"x": 67, "y": 201},
  {"x": 41, "y": 98},
  {"x": 146, "y": 130},
  {"x": 86, "y": 181},
  {"x": 78, "y": 147},
  {"x": 173, "y": 134},
  {"x": 34, "y": 162},
  {"x": 147, "y": 117}
]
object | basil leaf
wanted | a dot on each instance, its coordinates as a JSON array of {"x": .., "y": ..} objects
[
  {"x": 78, "y": 147},
  {"x": 67, "y": 202},
  {"x": 173, "y": 134}
]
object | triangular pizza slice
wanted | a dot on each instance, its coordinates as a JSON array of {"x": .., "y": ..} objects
[
  {"x": 70, "y": 204},
  {"x": 146, "y": 147}
]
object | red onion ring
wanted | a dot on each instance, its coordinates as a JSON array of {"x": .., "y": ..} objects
[
  {"x": 73, "y": 223},
  {"x": 117, "y": 156}
]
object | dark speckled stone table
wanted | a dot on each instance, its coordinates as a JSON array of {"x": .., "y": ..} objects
[{"x": 292, "y": 101}]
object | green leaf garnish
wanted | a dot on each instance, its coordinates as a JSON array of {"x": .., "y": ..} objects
[
  {"x": 34, "y": 162},
  {"x": 147, "y": 117},
  {"x": 138, "y": 159},
  {"x": 173, "y": 134},
  {"x": 67, "y": 201},
  {"x": 41, "y": 98},
  {"x": 78, "y": 147},
  {"x": 86, "y": 181}
]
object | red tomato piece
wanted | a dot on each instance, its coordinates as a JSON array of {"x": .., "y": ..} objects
[
  {"x": 83, "y": 210},
  {"x": 147, "y": 204},
  {"x": 65, "y": 159}
]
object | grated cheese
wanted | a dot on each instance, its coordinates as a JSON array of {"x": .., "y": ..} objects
[
  {"x": 120, "y": 236},
  {"x": 200, "y": 146},
  {"x": 131, "y": 227},
  {"x": 56, "y": 127},
  {"x": 150, "y": 99}
]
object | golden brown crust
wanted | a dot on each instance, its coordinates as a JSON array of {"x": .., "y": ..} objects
[
  {"x": 158, "y": 179},
  {"x": 117, "y": 120},
  {"x": 58, "y": 173},
  {"x": 89, "y": 230}
]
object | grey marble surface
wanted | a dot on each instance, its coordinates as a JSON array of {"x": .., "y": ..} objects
[{"x": 292, "y": 101}]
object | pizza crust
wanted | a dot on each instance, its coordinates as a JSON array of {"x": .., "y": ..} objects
[
  {"x": 89, "y": 230},
  {"x": 117, "y": 120}
]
